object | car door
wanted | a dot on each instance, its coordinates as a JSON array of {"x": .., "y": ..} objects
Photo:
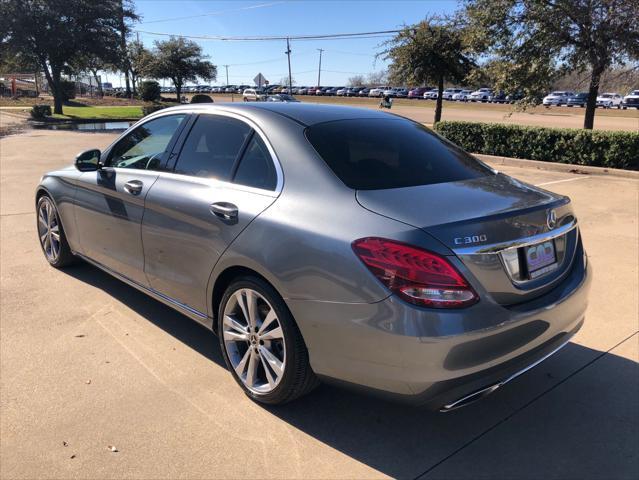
[
  {"x": 225, "y": 175},
  {"x": 110, "y": 201}
]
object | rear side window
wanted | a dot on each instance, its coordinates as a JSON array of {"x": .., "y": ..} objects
[
  {"x": 212, "y": 147},
  {"x": 256, "y": 168},
  {"x": 375, "y": 154}
]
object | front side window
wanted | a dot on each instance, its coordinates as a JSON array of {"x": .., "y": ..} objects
[
  {"x": 212, "y": 147},
  {"x": 143, "y": 148},
  {"x": 375, "y": 154},
  {"x": 256, "y": 168}
]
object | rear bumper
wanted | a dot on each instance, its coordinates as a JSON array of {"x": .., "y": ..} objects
[{"x": 435, "y": 358}]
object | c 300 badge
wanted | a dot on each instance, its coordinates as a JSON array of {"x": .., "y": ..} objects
[{"x": 470, "y": 240}]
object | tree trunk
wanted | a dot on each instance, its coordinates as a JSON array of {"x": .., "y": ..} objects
[
  {"x": 97, "y": 82},
  {"x": 178, "y": 91},
  {"x": 438, "y": 106},
  {"x": 593, "y": 91},
  {"x": 134, "y": 79},
  {"x": 53, "y": 79},
  {"x": 125, "y": 65}
]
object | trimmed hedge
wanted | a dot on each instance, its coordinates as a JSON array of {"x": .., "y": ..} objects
[
  {"x": 562, "y": 145},
  {"x": 150, "y": 91},
  {"x": 200, "y": 98},
  {"x": 39, "y": 112}
]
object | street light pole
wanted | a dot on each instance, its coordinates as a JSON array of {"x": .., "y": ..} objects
[{"x": 319, "y": 71}]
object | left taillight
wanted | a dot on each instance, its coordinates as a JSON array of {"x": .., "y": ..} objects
[{"x": 418, "y": 276}]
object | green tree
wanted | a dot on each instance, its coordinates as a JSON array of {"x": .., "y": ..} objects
[
  {"x": 140, "y": 61},
  {"x": 434, "y": 50},
  {"x": 124, "y": 15},
  {"x": 54, "y": 33},
  {"x": 535, "y": 41},
  {"x": 182, "y": 61}
]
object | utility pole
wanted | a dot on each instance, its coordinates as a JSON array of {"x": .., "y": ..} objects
[
  {"x": 319, "y": 71},
  {"x": 227, "y": 73},
  {"x": 290, "y": 78}
]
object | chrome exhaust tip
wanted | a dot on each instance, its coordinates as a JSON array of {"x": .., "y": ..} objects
[{"x": 468, "y": 399}]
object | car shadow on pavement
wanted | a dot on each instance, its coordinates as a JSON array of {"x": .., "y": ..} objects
[
  {"x": 574, "y": 416},
  {"x": 187, "y": 331}
]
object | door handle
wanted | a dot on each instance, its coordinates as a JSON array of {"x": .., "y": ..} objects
[
  {"x": 224, "y": 210},
  {"x": 134, "y": 187}
]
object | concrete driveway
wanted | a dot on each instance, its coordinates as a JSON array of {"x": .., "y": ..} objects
[{"x": 88, "y": 363}]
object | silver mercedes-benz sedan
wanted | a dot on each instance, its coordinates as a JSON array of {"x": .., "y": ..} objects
[{"x": 328, "y": 243}]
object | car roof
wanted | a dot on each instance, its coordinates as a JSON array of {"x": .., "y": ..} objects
[{"x": 305, "y": 114}]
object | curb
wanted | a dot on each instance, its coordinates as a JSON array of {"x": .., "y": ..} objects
[{"x": 557, "y": 167}]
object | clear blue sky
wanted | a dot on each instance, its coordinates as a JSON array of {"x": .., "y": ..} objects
[{"x": 341, "y": 58}]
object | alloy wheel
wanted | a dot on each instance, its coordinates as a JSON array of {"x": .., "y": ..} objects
[
  {"x": 49, "y": 230},
  {"x": 254, "y": 340}
]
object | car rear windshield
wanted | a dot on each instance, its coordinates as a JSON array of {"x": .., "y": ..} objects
[{"x": 376, "y": 154}]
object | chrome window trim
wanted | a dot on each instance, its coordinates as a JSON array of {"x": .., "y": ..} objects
[
  {"x": 217, "y": 183},
  {"x": 207, "y": 110},
  {"x": 520, "y": 242}
]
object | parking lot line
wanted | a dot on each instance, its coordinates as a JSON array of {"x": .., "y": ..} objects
[{"x": 561, "y": 181}]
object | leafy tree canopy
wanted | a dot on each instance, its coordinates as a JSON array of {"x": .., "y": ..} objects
[
  {"x": 182, "y": 61},
  {"x": 533, "y": 42}
]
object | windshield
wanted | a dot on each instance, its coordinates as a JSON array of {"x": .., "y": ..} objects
[
  {"x": 607, "y": 95},
  {"x": 375, "y": 154}
]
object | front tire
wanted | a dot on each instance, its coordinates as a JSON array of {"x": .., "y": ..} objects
[
  {"x": 53, "y": 241},
  {"x": 261, "y": 343}
]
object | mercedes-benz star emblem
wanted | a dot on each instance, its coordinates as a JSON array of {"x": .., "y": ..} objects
[{"x": 551, "y": 219}]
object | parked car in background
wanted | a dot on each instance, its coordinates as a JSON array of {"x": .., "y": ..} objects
[
  {"x": 462, "y": 96},
  {"x": 377, "y": 91},
  {"x": 557, "y": 98},
  {"x": 577, "y": 100},
  {"x": 341, "y": 92},
  {"x": 440, "y": 306},
  {"x": 311, "y": 90},
  {"x": 302, "y": 90},
  {"x": 631, "y": 100},
  {"x": 448, "y": 93},
  {"x": 418, "y": 92},
  {"x": 609, "y": 100},
  {"x": 353, "y": 91},
  {"x": 282, "y": 97},
  {"x": 400, "y": 92},
  {"x": 230, "y": 89},
  {"x": 253, "y": 95},
  {"x": 483, "y": 94},
  {"x": 431, "y": 94},
  {"x": 364, "y": 92}
]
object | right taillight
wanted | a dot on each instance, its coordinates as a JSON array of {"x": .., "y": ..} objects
[{"x": 418, "y": 276}]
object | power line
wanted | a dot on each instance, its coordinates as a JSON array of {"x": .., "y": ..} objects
[{"x": 330, "y": 36}]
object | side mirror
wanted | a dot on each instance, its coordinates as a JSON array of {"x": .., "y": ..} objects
[{"x": 88, "y": 161}]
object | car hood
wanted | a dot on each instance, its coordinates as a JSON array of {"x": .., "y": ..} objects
[{"x": 488, "y": 205}]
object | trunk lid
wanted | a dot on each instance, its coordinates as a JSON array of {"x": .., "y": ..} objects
[{"x": 485, "y": 221}]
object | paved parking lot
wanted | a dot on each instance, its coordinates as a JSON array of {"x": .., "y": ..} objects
[{"x": 88, "y": 362}]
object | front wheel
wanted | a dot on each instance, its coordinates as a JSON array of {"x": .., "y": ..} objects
[
  {"x": 51, "y": 234},
  {"x": 261, "y": 343}
]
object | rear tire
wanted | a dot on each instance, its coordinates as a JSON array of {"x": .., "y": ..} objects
[
  {"x": 53, "y": 240},
  {"x": 261, "y": 343}
]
